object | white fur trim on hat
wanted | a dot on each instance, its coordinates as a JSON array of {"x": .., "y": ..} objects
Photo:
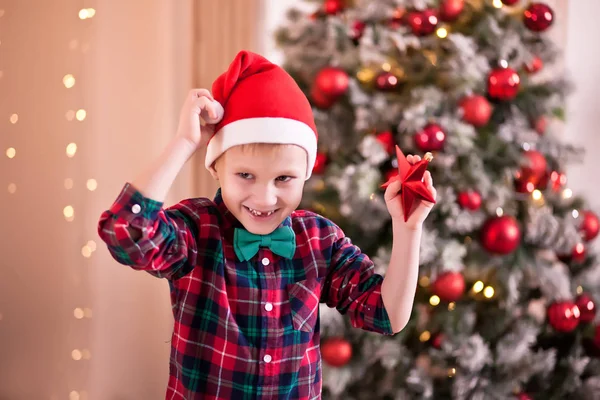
[{"x": 263, "y": 130}]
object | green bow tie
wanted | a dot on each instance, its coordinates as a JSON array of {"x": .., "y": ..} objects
[{"x": 281, "y": 241}]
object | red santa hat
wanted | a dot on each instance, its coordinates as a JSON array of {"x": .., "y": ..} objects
[{"x": 262, "y": 104}]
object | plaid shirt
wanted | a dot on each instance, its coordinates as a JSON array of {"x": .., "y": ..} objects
[{"x": 243, "y": 330}]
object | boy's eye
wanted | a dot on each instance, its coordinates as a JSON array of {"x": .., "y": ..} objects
[
  {"x": 244, "y": 175},
  {"x": 283, "y": 178}
]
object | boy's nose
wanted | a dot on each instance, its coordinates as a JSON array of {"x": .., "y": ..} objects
[{"x": 265, "y": 197}]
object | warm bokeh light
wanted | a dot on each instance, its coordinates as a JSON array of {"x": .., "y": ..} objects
[
  {"x": 92, "y": 185},
  {"x": 488, "y": 292},
  {"x": 71, "y": 149},
  {"x": 425, "y": 336},
  {"x": 11, "y": 152},
  {"x": 68, "y": 183},
  {"x": 81, "y": 114},
  {"x": 434, "y": 300},
  {"x": 69, "y": 81},
  {"x": 69, "y": 213},
  {"x": 478, "y": 286},
  {"x": 12, "y": 188},
  {"x": 70, "y": 115},
  {"x": 442, "y": 32},
  {"x": 14, "y": 118},
  {"x": 78, "y": 313}
]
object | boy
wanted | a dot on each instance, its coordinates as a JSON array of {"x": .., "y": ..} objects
[{"x": 247, "y": 270}]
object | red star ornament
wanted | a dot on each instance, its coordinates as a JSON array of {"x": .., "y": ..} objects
[{"x": 412, "y": 187}]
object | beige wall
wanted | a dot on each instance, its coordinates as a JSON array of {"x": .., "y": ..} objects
[{"x": 133, "y": 63}]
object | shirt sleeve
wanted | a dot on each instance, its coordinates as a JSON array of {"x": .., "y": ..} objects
[
  {"x": 354, "y": 288},
  {"x": 163, "y": 243}
]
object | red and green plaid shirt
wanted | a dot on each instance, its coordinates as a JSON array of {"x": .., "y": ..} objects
[{"x": 243, "y": 330}]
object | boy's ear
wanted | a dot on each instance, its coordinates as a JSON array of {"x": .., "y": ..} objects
[{"x": 213, "y": 172}]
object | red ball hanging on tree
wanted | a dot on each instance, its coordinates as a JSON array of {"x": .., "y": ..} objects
[
  {"x": 540, "y": 125},
  {"x": 534, "y": 65},
  {"x": 430, "y": 138},
  {"x": 437, "y": 341},
  {"x": 336, "y": 351},
  {"x": 476, "y": 110},
  {"x": 503, "y": 83},
  {"x": 333, "y": 7},
  {"x": 523, "y": 396},
  {"x": 397, "y": 18},
  {"x": 469, "y": 199},
  {"x": 386, "y": 138},
  {"x": 534, "y": 166},
  {"x": 576, "y": 255},
  {"x": 451, "y": 9},
  {"x": 557, "y": 180},
  {"x": 587, "y": 308},
  {"x": 357, "y": 30},
  {"x": 500, "y": 235},
  {"x": 509, "y": 2},
  {"x": 449, "y": 286},
  {"x": 589, "y": 225},
  {"x": 538, "y": 17},
  {"x": 321, "y": 100},
  {"x": 332, "y": 82},
  {"x": 422, "y": 23},
  {"x": 387, "y": 82},
  {"x": 563, "y": 316},
  {"x": 320, "y": 163}
]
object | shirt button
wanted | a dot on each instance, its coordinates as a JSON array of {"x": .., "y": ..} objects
[
  {"x": 265, "y": 261},
  {"x": 268, "y": 306},
  {"x": 136, "y": 209},
  {"x": 267, "y": 358}
]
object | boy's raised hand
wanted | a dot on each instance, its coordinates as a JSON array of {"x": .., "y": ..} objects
[{"x": 198, "y": 103}]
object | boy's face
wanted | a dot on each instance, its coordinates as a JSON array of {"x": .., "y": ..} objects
[{"x": 263, "y": 185}]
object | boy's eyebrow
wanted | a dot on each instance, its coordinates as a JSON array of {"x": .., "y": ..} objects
[{"x": 286, "y": 172}]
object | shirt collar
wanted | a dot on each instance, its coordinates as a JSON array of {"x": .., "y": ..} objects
[{"x": 230, "y": 221}]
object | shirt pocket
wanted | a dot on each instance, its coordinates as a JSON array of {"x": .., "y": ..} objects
[{"x": 304, "y": 299}]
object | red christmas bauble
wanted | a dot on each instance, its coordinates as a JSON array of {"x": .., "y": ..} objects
[
  {"x": 320, "y": 99},
  {"x": 501, "y": 235},
  {"x": 476, "y": 110},
  {"x": 422, "y": 23},
  {"x": 509, "y": 2},
  {"x": 540, "y": 125},
  {"x": 386, "y": 138},
  {"x": 503, "y": 83},
  {"x": 563, "y": 316},
  {"x": 449, "y": 286},
  {"x": 332, "y": 82},
  {"x": 320, "y": 163},
  {"x": 538, "y": 17},
  {"x": 587, "y": 308},
  {"x": 387, "y": 81},
  {"x": 451, "y": 9},
  {"x": 576, "y": 255},
  {"x": 358, "y": 28},
  {"x": 397, "y": 18},
  {"x": 333, "y": 7},
  {"x": 596, "y": 339},
  {"x": 589, "y": 225},
  {"x": 523, "y": 185},
  {"x": 534, "y": 167},
  {"x": 469, "y": 199},
  {"x": 523, "y": 396},
  {"x": 336, "y": 351},
  {"x": 437, "y": 341},
  {"x": 557, "y": 180},
  {"x": 430, "y": 138},
  {"x": 534, "y": 65}
]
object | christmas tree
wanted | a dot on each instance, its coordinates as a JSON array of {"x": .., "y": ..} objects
[{"x": 505, "y": 306}]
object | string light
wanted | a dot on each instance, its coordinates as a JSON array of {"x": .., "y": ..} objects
[
  {"x": 575, "y": 214},
  {"x": 434, "y": 300},
  {"x": 78, "y": 313},
  {"x": 86, "y": 13},
  {"x": 579, "y": 289},
  {"x": 567, "y": 193},
  {"x": 11, "y": 152},
  {"x": 76, "y": 355},
  {"x": 424, "y": 281},
  {"x": 69, "y": 213},
  {"x": 442, "y": 32},
  {"x": 497, "y": 3},
  {"x": 81, "y": 114},
  {"x": 478, "y": 287},
  {"x": 451, "y": 306},
  {"x": 92, "y": 185},
  {"x": 71, "y": 149},
  {"x": 14, "y": 118},
  {"x": 488, "y": 292},
  {"x": 499, "y": 211},
  {"x": 69, "y": 81},
  {"x": 451, "y": 372},
  {"x": 386, "y": 67},
  {"x": 425, "y": 336}
]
